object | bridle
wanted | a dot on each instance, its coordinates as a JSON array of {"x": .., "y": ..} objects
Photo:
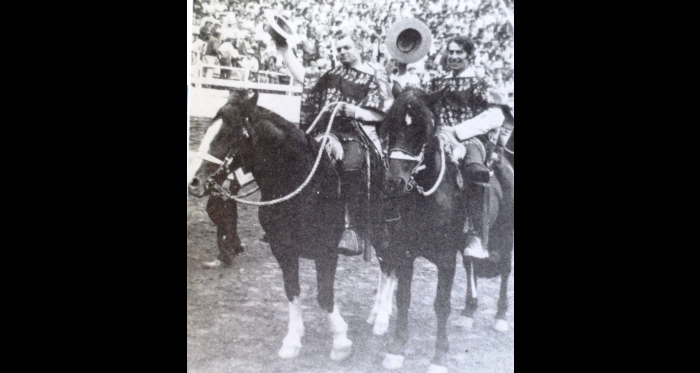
[
  {"x": 404, "y": 155},
  {"x": 301, "y": 187},
  {"x": 396, "y": 153}
]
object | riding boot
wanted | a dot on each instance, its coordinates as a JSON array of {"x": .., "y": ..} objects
[
  {"x": 477, "y": 210},
  {"x": 353, "y": 240}
]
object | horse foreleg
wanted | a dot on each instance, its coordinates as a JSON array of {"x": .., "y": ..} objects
[
  {"x": 381, "y": 282},
  {"x": 394, "y": 358},
  {"x": 471, "y": 301},
  {"x": 446, "y": 276},
  {"x": 325, "y": 278},
  {"x": 295, "y": 329},
  {"x": 500, "y": 324},
  {"x": 291, "y": 345},
  {"x": 383, "y": 303},
  {"x": 342, "y": 346}
]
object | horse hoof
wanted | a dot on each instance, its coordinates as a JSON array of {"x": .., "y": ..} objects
[
  {"x": 500, "y": 325},
  {"x": 289, "y": 352},
  {"x": 213, "y": 264},
  {"x": 371, "y": 318},
  {"x": 381, "y": 325},
  {"x": 341, "y": 350},
  {"x": 465, "y": 322},
  {"x": 437, "y": 369},
  {"x": 392, "y": 361}
]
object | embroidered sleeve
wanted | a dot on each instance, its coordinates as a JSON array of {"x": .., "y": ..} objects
[
  {"x": 312, "y": 100},
  {"x": 378, "y": 95},
  {"x": 490, "y": 92}
]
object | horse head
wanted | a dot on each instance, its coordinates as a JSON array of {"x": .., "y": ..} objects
[
  {"x": 408, "y": 127},
  {"x": 226, "y": 145}
]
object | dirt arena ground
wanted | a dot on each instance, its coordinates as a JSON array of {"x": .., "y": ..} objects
[{"x": 237, "y": 316}]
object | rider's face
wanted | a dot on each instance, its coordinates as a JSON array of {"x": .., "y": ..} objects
[
  {"x": 347, "y": 52},
  {"x": 456, "y": 57}
]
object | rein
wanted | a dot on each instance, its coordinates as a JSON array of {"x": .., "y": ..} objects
[
  {"x": 308, "y": 178},
  {"x": 401, "y": 154},
  {"x": 206, "y": 156}
]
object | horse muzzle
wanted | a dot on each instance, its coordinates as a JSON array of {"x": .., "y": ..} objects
[
  {"x": 396, "y": 186},
  {"x": 197, "y": 187}
]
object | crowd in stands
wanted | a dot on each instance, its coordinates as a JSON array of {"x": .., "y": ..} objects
[{"x": 231, "y": 33}]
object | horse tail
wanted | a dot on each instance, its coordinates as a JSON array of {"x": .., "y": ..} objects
[
  {"x": 501, "y": 237},
  {"x": 506, "y": 177}
]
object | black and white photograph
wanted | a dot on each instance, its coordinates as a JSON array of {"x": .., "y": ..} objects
[{"x": 350, "y": 186}]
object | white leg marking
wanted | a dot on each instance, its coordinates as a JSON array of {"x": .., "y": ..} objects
[
  {"x": 342, "y": 346},
  {"x": 437, "y": 369},
  {"x": 392, "y": 361},
  {"x": 500, "y": 325},
  {"x": 196, "y": 162},
  {"x": 381, "y": 324},
  {"x": 377, "y": 298},
  {"x": 295, "y": 330},
  {"x": 464, "y": 322}
]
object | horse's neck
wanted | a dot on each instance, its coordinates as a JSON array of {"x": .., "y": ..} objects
[{"x": 283, "y": 166}]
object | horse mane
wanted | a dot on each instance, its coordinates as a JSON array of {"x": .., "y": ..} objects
[
  {"x": 264, "y": 116},
  {"x": 394, "y": 117},
  {"x": 269, "y": 117}
]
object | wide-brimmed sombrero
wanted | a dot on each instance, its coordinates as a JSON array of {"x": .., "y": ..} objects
[
  {"x": 280, "y": 29},
  {"x": 408, "y": 40}
]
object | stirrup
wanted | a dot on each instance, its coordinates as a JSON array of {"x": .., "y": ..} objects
[
  {"x": 475, "y": 249},
  {"x": 350, "y": 244}
]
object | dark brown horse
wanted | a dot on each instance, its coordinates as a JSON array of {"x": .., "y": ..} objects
[
  {"x": 307, "y": 225},
  {"x": 424, "y": 180}
]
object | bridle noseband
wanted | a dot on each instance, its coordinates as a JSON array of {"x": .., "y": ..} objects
[{"x": 401, "y": 154}]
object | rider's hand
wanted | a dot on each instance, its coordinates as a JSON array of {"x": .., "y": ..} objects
[
  {"x": 281, "y": 49},
  {"x": 350, "y": 110},
  {"x": 450, "y": 130}
]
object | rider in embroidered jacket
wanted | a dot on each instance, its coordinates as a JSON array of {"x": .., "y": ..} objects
[
  {"x": 472, "y": 110},
  {"x": 366, "y": 94}
]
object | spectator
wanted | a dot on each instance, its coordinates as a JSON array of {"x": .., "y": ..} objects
[
  {"x": 208, "y": 8},
  {"x": 252, "y": 8},
  {"x": 271, "y": 64},
  {"x": 228, "y": 56},
  {"x": 199, "y": 47},
  {"x": 220, "y": 6},
  {"x": 403, "y": 78},
  {"x": 211, "y": 56},
  {"x": 248, "y": 61},
  {"x": 205, "y": 30},
  {"x": 487, "y": 21},
  {"x": 324, "y": 61}
]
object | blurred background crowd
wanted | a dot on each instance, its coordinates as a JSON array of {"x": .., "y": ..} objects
[{"x": 231, "y": 33}]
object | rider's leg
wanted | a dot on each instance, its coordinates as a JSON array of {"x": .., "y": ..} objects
[
  {"x": 354, "y": 192},
  {"x": 477, "y": 177},
  {"x": 355, "y": 202}
]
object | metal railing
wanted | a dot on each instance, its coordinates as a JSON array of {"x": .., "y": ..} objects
[{"x": 209, "y": 74}]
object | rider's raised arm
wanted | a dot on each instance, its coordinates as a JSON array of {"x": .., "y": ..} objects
[{"x": 293, "y": 64}]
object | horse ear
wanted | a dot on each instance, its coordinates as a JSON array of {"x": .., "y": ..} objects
[
  {"x": 253, "y": 97},
  {"x": 432, "y": 98}
]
